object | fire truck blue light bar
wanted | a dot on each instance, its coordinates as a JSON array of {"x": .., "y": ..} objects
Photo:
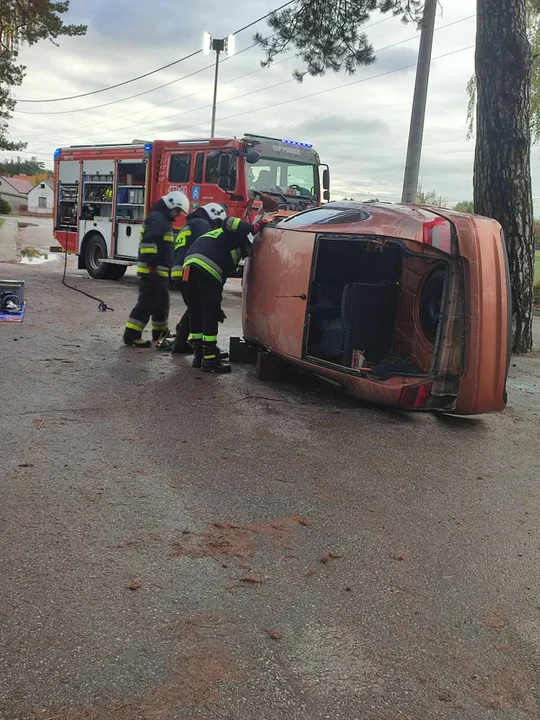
[{"x": 295, "y": 142}]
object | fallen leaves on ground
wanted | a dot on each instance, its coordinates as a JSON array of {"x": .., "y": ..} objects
[
  {"x": 134, "y": 585},
  {"x": 228, "y": 539},
  {"x": 495, "y": 620},
  {"x": 253, "y": 579},
  {"x": 192, "y": 684},
  {"x": 402, "y": 556},
  {"x": 274, "y": 634},
  {"x": 510, "y": 687},
  {"x": 329, "y": 556}
]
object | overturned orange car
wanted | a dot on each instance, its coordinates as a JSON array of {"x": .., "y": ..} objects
[{"x": 404, "y": 306}]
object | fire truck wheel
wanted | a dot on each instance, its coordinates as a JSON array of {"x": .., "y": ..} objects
[{"x": 95, "y": 251}]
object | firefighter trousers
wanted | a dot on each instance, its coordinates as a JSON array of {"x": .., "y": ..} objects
[
  {"x": 182, "y": 327},
  {"x": 203, "y": 294},
  {"x": 153, "y": 303}
]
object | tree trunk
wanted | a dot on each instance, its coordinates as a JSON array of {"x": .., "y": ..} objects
[{"x": 502, "y": 173}]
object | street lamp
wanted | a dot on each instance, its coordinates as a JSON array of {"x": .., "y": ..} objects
[{"x": 226, "y": 45}]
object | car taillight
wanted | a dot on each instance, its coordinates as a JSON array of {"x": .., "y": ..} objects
[
  {"x": 438, "y": 234},
  {"x": 415, "y": 396}
]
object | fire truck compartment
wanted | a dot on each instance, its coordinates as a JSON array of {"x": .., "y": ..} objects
[{"x": 374, "y": 306}]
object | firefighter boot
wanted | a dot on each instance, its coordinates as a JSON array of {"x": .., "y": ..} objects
[
  {"x": 211, "y": 361},
  {"x": 197, "y": 346},
  {"x": 197, "y": 350}
]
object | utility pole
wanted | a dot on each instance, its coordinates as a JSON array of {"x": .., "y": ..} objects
[
  {"x": 218, "y": 46},
  {"x": 418, "y": 115},
  {"x": 225, "y": 45}
]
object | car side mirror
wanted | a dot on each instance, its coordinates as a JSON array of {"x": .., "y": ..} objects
[
  {"x": 252, "y": 157},
  {"x": 224, "y": 169},
  {"x": 326, "y": 195},
  {"x": 326, "y": 179}
]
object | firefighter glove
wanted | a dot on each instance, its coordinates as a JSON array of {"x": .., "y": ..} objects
[{"x": 258, "y": 226}]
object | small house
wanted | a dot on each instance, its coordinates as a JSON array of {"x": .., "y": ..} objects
[
  {"x": 15, "y": 191},
  {"x": 40, "y": 198}
]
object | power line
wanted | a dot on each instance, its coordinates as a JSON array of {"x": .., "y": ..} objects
[
  {"x": 172, "y": 82},
  {"x": 163, "y": 67},
  {"x": 112, "y": 87},
  {"x": 269, "y": 87},
  {"x": 320, "y": 92},
  {"x": 168, "y": 102},
  {"x": 146, "y": 110},
  {"x": 131, "y": 97},
  {"x": 286, "y": 82}
]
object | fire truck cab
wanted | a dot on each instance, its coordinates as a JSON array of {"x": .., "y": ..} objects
[{"x": 103, "y": 192}]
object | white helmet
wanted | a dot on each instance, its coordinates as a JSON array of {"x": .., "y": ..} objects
[
  {"x": 215, "y": 211},
  {"x": 176, "y": 201}
]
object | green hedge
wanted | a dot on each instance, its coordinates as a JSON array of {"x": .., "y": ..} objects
[{"x": 5, "y": 207}]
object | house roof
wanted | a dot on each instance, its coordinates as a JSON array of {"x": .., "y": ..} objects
[
  {"x": 43, "y": 182},
  {"x": 20, "y": 186}
]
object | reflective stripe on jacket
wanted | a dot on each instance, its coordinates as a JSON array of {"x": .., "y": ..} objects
[
  {"x": 156, "y": 242},
  {"x": 197, "y": 225},
  {"x": 218, "y": 252}
]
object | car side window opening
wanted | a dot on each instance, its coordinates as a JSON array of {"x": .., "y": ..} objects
[{"x": 180, "y": 168}]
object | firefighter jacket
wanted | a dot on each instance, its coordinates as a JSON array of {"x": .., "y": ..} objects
[
  {"x": 156, "y": 242},
  {"x": 197, "y": 224},
  {"x": 219, "y": 252}
]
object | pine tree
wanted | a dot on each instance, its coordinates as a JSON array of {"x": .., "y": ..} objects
[
  {"x": 502, "y": 165},
  {"x": 25, "y": 22}
]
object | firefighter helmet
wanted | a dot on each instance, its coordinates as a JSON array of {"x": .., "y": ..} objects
[
  {"x": 215, "y": 212},
  {"x": 176, "y": 200}
]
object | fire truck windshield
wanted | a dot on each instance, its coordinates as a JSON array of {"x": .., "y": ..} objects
[{"x": 283, "y": 177}]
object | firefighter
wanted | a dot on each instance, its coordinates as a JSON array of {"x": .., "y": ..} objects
[
  {"x": 205, "y": 218},
  {"x": 153, "y": 269},
  {"x": 208, "y": 262}
]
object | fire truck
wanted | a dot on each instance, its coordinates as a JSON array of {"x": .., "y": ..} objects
[{"x": 103, "y": 192}]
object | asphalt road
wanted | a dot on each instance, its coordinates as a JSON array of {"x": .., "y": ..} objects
[{"x": 174, "y": 545}]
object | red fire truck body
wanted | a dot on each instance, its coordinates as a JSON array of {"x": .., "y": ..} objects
[{"x": 103, "y": 192}]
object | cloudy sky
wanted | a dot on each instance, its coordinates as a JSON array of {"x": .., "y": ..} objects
[{"x": 359, "y": 124}]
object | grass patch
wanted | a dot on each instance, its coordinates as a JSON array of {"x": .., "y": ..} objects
[
  {"x": 537, "y": 266},
  {"x": 2, "y": 222}
]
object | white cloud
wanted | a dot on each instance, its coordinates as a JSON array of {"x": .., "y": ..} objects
[{"x": 360, "y": 130}]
